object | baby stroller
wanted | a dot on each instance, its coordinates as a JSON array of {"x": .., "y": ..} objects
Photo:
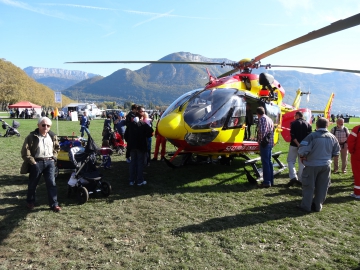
[
  {"x": 86, "y": 178},
  {"x": 115, "y": 141},
  {"x": 10, "y": 130}
]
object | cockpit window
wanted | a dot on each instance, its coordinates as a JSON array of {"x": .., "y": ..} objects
[
  {"x": 179, "y": 101},
  {"x": 210, "y": 108}
]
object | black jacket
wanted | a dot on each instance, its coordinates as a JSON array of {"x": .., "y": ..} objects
[
  {"x": 299, "y": 129},
  {"x": 136, "y": 135}
]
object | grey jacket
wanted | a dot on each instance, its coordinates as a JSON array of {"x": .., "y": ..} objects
[{"x": 319, "y": 147}]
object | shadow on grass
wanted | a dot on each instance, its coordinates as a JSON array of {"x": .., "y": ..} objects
[
  {"x": 201, "y": 178},
  {"x": 256, "y": 215},
  {"x": 248, "y": 217}
]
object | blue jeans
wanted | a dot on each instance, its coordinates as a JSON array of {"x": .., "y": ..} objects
[
  {"x": 46, "y": 168},
  {"x": 137, "y": 166},
  {"x": 83, "y": 128},
  {"x": 267, "y": 167}
]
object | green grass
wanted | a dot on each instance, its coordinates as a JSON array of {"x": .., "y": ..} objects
[{"x": 203, "y": 216}]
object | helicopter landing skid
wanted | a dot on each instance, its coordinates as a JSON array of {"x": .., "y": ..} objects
[
  {"x": 185, "y": 160},
  {"x": 258, "y": 171}
]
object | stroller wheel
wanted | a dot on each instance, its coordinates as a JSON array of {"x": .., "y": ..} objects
[
  {"x": 82, "y": 194},
  {"x": 105, "y": 188}
]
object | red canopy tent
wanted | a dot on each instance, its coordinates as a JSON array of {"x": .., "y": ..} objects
[{"x": 24, "y": 104}]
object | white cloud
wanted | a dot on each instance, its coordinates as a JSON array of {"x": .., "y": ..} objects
[
  {"x": 22, "y": 5},
  {"x": 77, "y": 6},
  {"x": 109, "y": 34},
  {"x": 164, "y": 14}
]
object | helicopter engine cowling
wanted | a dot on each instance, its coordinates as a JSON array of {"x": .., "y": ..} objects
[{"x": 266, "y": 80}]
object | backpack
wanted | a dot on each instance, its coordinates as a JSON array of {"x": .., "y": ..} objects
[{"x": 346, "y": 132}]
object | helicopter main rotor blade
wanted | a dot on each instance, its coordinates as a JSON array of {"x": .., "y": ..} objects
[
  {"x": 332, "y": 28},
  {"x": 150, "y": 62},
  {"x": 321, "y": 68},
  {"x": 228, "y": 73}
]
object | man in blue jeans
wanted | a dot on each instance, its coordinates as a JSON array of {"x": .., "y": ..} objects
[
  {"x": 265, "y": 128},
  {"x": 39, "y": 152},
  {"x": 84, "y": 125}
]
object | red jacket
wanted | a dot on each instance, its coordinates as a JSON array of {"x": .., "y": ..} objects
[{"x": 353, "y": 144}]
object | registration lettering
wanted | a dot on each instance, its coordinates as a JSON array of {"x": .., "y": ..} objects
[{"x": 241, "y": 148}]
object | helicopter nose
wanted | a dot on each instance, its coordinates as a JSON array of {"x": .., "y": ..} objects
[{"x": 172, "y": 126}]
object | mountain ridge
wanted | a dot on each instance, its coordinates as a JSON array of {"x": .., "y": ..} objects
[{"x": 162, "y": 83}]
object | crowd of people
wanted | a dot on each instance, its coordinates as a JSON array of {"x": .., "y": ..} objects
[
  {"x": 136, "y": 128},
  {"x": 314, "y": 152}
]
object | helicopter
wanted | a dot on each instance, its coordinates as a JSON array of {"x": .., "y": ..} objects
[{"x": 210, "y": 121}]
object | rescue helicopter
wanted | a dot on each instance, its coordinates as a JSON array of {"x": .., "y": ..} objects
[{"x": 211, "y": 121}]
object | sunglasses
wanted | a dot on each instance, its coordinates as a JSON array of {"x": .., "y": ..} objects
[{"x": 45, "y": 125}]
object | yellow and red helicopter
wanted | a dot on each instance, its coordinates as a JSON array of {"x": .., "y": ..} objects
[{"x": 211, "y": 121}]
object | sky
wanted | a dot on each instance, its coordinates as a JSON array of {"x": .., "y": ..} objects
[{"x": 48, "y": 33}]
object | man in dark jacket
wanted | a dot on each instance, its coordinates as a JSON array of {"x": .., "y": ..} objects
[
  {"x": 39, "y": 152},
  {"x": 129, "y": 118},
  {"x": 136, "y": 135},
  {"x": 299, "y": 129}
]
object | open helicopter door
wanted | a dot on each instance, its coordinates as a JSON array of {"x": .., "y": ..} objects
[{"x": 288, "y": 117}]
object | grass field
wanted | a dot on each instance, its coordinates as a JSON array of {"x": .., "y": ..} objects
[{"x": 204, "y": 216}]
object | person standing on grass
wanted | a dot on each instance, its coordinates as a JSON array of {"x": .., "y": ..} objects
[
  {"x": 160, "y": 141},
  {"x": 354, "y": 150},
  {"x": 316, "y": 152},
  {"x": 39, "y": 152},
  {"x": 120, "y": 124},
  {"x": 266, "y": 143},
  {"x": 145, "y": 118},
  {"x": 299, "y": 129},
  {"x": 84, "y": 125},
  {"x": 129, "y": 118},
  {"x": 341, "y": 133},
  {"x": 136, "y": 135}
]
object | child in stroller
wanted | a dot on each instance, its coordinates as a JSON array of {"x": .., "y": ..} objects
[
  {"x": 86, "y": 178},
  {"x": 115, "y": 140},
  {"x": 105, "y": 153}
]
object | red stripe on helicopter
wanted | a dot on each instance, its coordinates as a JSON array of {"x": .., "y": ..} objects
[{"x": 216, "y": 147}]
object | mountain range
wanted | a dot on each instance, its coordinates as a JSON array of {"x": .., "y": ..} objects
[
  {"x": 160, "y": 84},
  {"x": 57, "y": 79}
]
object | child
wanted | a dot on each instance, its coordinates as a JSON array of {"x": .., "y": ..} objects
[{"x": 105, "y": 152}]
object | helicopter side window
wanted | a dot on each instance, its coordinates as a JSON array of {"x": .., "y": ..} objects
[
  {"x": 237, "y": 119},
  {"x": 273, "y": 111}
]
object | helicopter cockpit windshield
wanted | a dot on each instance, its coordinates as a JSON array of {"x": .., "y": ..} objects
[
  {"x": 179, "y": 101},
  {"x": 212, "y": 108}
]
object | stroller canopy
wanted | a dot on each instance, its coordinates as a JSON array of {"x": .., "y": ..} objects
[{"x": 91, "y": 146}]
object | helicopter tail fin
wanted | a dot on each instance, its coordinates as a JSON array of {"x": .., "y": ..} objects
[
  {"x": 327, "y": 111},
  {"x": 296, "y": 103}
]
